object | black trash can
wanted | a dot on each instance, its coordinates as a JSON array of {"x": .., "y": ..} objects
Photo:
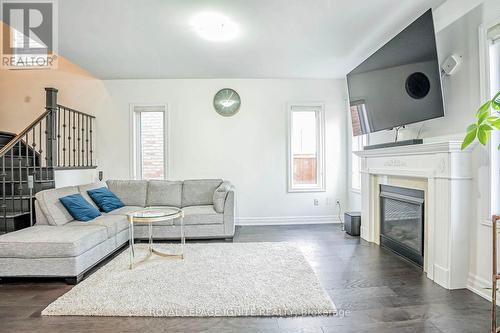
[{"x": 352, "y": 223}]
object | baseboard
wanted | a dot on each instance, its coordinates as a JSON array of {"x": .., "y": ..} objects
[
  {"x": 287, "y": 220},
  {"x": 442, "y": 276},
  {"x": 477, "y": 285}
]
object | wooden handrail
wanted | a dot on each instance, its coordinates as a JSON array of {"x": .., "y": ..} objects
[{"x": 18, "y": 137}]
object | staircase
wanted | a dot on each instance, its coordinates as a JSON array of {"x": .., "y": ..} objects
[
  {"x": 17, "y": 199},
  {"x": 60, "y": 138}
]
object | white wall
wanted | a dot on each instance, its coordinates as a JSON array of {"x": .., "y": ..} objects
[
  {"x": 248, "y": 149},
  {"x": 74, "y": 177}
]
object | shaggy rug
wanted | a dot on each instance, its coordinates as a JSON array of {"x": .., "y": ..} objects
[{"x": 214, "y": 279}]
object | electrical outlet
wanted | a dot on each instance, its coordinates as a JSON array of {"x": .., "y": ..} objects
[
  {"x": 316, "y": 202},
  {"x": 337, "y": 201}
]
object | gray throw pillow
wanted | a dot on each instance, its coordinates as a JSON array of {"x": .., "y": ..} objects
[{"x": 220, "y": 196}]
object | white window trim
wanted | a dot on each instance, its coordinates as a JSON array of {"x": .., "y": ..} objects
[
  {"x": 133, "y": 158},
  {"x": 366, "y": 143},
  {"x": 321, "y": 186},
  {"x": 485, "y": 94}
]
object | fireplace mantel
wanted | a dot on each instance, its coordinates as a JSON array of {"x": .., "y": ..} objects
[{"x": 446, "y": 171}]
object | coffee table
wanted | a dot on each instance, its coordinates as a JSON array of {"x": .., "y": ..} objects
[{"x": 151, "y": 216}]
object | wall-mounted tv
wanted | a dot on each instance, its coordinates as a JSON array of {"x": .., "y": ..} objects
[{"x": 400, "y": 83}]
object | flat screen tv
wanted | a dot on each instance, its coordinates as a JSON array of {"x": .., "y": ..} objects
[{"x": 400, "y": 83}]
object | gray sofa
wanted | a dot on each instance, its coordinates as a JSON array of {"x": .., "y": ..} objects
[{"x": 59, "y": 246}]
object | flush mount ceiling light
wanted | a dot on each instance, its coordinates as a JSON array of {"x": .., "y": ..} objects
[{"x": 214, "y": 27}]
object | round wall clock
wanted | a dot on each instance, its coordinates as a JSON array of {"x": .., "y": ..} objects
[{"x": 227, "y": 102}]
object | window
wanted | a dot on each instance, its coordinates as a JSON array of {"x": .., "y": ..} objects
[
  {"x": 149, "y": 155},
  {"x": 357, "y": 143},
  {"x": 306, "y": 148},
  {"x": 493, "y": 36}
]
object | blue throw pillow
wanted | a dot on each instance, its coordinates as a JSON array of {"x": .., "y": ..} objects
[
  {"x": 106, "y": 200},
  {"x": 79, "y": 208}
]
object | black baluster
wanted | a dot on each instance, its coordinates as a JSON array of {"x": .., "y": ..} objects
[
  {"x": 33, "y": 148},
  {"x": 64, "y": 137},
  {"x": 40, "y": 150},
  {"x": 91, "y": 143},
  {"x": 79, "y": 139},
  {"x": 19, "y": 157},
  {"x": 12, "y": 191},
  {"x": 45, "y": 136},
  {"x": 58, "y": 136},
  {"x": 74, "y": 141},
  {"x": 87, "y": 139},
  {"x": 69, "y": 139},
  {"x": 4, "y": 203}
]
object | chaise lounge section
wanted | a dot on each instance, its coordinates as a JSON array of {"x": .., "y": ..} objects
[{"x": 59, "y": 246}]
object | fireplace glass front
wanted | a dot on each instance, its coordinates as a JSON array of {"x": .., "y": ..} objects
[{"x": 402, "y": 221}]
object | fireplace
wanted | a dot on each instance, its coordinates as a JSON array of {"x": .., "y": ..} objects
[{"x": 402, "y": 222}]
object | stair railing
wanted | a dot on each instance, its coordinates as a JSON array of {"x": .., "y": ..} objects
[{"x": 60, "y": 138}]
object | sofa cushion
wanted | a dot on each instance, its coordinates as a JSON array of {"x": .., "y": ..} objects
[
  {"x": 199, "y": 192},
  {"x": 114, "y": 224},
  {"x": 125, "y": 210},
  {"x": 46, "y": 241},
  {"x": 84, "y": 188},
  {"x": 79, "y": 208},
  {"x": 52, "y": 208},
  {"x": 195, "y": 215},
  {"x": 220, "y": 195},
  {"x": 106, "y": 200},
  {"x": 164, "y": 193},
  {"x": 130, "y": 192}
]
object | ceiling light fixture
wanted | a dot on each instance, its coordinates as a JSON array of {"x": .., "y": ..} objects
[{"x": 214, "y": 27}]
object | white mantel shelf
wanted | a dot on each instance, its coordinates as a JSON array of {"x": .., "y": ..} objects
[
  {"x": 426, "y": 148},
  {"x": 445, "y": 172}
]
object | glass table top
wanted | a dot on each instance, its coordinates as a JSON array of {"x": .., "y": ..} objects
[{"x": 149, "y": 213}]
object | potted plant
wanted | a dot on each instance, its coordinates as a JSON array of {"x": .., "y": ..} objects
[{"x": 486, "y": 122}]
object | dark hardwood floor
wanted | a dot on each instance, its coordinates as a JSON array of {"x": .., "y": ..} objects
[{"x": 374, "y": 290}]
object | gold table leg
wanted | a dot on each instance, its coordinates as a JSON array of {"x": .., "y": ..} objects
[{"x": 151, "y": 249}]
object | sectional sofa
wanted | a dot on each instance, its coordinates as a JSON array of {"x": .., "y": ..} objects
[{"x": 59, "y": 246}]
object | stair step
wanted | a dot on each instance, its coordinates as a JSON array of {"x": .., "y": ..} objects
[
  {"x": 5, "y": 138},
  {"x": 14, "y": 214},
  {"x": 16, "y": 204},
  {"x": 14, "y": 174},
  {"x": 14, "y": 190},
  {"x": 15, "y": 162},
  {"x": 15, "y": 222}
]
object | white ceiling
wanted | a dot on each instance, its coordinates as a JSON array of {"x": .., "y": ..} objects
[{"x": 131, "y": 39}]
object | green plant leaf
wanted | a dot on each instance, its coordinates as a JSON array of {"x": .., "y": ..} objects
[
  {"x": 484, "y": 109},
  {"x": 472, "y": 127},
  {"x": 485, "y": 127},
  {"x": 496, "y": 123},
  {"x": 482, "y": 116},
  {"x": 469, "y": 138},
  {"x": 495, "y": 101},
  {"x": 483, "y": 135}
]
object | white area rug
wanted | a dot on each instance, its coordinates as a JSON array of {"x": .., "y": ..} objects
[{"x": 226, "y": 279}]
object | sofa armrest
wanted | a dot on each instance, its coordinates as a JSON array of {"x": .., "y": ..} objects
[
  {"x": 230, "y": 212},
  {"x": 40, "y": 218}
]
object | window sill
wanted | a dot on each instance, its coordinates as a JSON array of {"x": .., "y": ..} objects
[{"x": 305, "y": 190}]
